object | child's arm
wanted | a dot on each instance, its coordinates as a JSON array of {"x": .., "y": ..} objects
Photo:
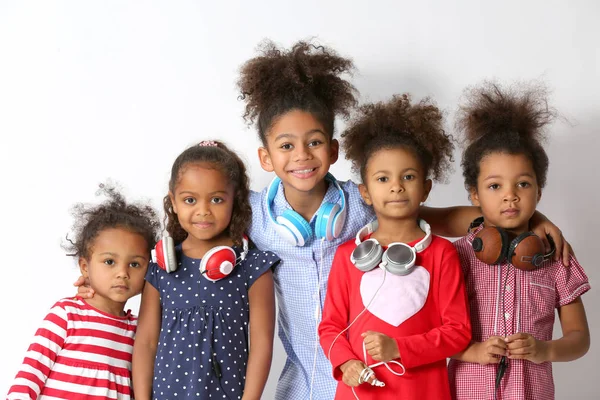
[
  {"x": 455, "y": 221},
  {"x": 146, "y": 342},
  {"x": 41, "y": 355},
  {"x": 439, "y": 343},
  {"x": 336, "y": 312},
  {"x": 261, "y": 297},
  {"x": 574, "y": 343}
]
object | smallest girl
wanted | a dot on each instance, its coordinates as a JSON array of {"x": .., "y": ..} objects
[
  {"x": 83, "y": 348},
  {"x": 196, "y": 316},
  {"x": 513, "y": 287},
  {"x": 396, "y": 305}
]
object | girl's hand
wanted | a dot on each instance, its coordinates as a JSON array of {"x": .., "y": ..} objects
[
  {"x": 351, "y": 370},
  {"x": 523, "y": 346},
  {"x": 490, "y": 351},
  {"x": 380, "y": 347},
  {"x": 541, "y": 226},
  {"x": 83, "y": 288}
]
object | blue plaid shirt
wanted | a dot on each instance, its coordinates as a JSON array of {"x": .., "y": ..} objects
[{"x": 298, "y": 299}]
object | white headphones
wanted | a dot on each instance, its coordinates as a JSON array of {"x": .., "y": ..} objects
[
  {"x": 398, "y": 259},
  {"x": 294, "y": 229}
]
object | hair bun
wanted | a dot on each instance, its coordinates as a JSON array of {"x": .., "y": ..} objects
[
  {"x": 491, "y": 109},
  {"x": 289, "y": 76}
]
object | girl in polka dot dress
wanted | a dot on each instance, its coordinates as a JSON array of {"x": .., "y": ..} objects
[{"x": 192, "y": 338}]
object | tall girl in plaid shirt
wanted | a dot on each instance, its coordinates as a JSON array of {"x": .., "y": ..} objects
[{"x": 512, "y": 309}]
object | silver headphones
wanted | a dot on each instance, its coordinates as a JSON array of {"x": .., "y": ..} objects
[{"x": 398, "y": 259}]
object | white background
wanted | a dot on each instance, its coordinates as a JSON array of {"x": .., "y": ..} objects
[{"x": 97, "y": 89}]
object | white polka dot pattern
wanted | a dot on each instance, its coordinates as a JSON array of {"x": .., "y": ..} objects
[{"x": 201, "y": 320}]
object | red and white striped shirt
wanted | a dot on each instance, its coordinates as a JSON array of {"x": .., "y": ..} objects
[
  {"x": 503, "y": 301},
  {"x": 78, "y": 352}
]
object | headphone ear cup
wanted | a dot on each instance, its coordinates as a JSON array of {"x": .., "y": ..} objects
[
  {"x": 294, "y": 228},
  {"x": 367, "y": 255},
  {"x": 339, "y": 219},
  {"x": 324, "y": 225},
  {"x": 217, "y": 263},
  {"x": 163, "y": 254},
  {"x": 526, "y": 251},
  {"x": 399, "y": 259},
  {"x": 490, "y": 245}
]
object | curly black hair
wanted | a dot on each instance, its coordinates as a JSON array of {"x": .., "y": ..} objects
[
  {"x": 494, "y": 119},
  {"x": 231, "y": 166},
  {"x": 307, "y": 77},
  {"x": 399, "y": 123},
  {"x": 90, "y": 220}
]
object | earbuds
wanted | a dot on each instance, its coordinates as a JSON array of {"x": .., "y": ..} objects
[
  {"x": 216, "y": 264},
  {"x": 492, "y": 245},
  {"x": 398, "y": 259}
]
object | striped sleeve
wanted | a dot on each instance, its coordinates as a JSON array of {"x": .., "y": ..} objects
[{"x": 41, "y": 355}]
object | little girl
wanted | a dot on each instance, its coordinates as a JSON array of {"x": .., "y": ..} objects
[
  {"x": 395, "y": 325},
  {"x": 513, "y": 290},
  {"x": 83, "y": 348},
  {"x": 192, "y": 339}
]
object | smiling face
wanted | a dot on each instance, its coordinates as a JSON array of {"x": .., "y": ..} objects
[
  {"x": 395, "y": 184},
  {"x": 299, "y": 151},
  {"x": 203, "y": 201},
  {"x": 507, "y": 191},
  {"x": 115, "y": 268}
]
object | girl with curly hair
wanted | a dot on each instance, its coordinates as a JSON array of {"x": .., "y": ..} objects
[
  {"x": 514, "y": 289},
  {"x": 396, "y": 305},
  {"x": 83, "y": 348},
  {"x": 294, "y": 96},
  {"x": 203, "y": 301}
]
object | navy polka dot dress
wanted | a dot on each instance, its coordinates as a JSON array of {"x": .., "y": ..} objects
[{"x": 204, "y": 323}]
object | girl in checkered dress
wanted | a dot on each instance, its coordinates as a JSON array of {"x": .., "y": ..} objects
[{"x": 512, "y": 309}]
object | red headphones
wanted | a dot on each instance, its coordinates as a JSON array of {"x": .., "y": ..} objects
[
  {"x": 492, "y": 245},
  {"x": 216, "y": 264}
]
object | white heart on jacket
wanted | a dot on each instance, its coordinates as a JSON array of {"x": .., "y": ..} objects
[{"x": 399, "y": 298}]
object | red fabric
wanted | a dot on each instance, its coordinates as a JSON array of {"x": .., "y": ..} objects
[
  {"x": 504, "y": 301},
  {"x": 440, "y": 329},
  {"x": 78, "y": 352}
]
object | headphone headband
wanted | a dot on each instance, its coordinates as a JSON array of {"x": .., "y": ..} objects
[
  {"x": 294, "y": 229},
  {"x": 373, "y": 225}
]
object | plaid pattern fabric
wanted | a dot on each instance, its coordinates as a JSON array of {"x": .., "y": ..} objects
[
  {"x": 505, "y": 301},
  {"x": 296, "y": 285}
]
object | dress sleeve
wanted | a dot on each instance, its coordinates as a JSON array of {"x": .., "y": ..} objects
[
  {"x": 257, "y": 263},
  {"x": 454, "y": 333},
  {"x": 335, "y": 316},
  {"x": 154, "y": 275},
  {"x": 571, "y": 282},
  {"x": 41, "y": 355}
]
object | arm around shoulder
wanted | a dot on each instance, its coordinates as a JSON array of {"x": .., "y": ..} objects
[{"x": 449, "y": 221}]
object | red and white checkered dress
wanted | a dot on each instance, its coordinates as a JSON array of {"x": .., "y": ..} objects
[{"x": 505, "y": 301}]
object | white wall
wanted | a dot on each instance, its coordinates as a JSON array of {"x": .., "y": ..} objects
[{"x": 90, "y": 90}]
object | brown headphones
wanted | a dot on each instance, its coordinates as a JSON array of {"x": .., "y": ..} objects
[{"x": 492, "y": 245}]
